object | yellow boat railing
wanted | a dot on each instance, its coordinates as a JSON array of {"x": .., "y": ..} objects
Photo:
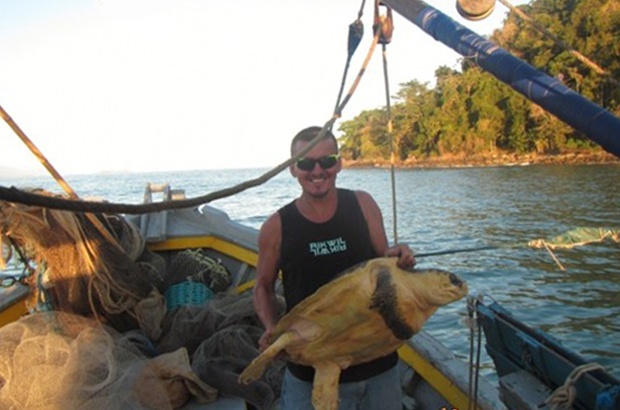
[
  {"x": 13, "y": 304},
  {"x": 450, "y": 391}
]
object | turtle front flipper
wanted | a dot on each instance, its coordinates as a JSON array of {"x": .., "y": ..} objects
[
  {"x": 325, "y": 387},
  {"x": 257, "y": 367}
]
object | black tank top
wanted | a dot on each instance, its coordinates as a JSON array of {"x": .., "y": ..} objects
[{"x": 312, "y": 254}]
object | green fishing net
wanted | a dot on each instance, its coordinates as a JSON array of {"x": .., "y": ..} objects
[{"x": 577, "y": 237}]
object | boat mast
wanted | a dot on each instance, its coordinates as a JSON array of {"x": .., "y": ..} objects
[{"x": 595, "y": 122}]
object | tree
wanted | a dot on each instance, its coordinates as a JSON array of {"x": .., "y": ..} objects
[
  {"x": 365, "y": 136},
  {"x": 408, "y": 114},
  {"x": 468, "y": 112}
]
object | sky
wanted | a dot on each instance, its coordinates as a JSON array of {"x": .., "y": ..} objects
[{"x": 165, "y": 85}]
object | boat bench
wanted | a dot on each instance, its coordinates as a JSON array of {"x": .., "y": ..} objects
[{"x": 520, "y": 390}]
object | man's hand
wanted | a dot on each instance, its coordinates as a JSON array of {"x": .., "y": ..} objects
[
  {"x": 263, "y": 342},
  {"x": 406, "y": 258}
]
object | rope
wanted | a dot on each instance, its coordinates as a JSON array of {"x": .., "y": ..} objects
[
  {"x": 9, "y": 280},
  {"x": 27, "y": 271},
  {"x": 37, "y": 153},
  {"x": 553, "y": 255},
  {"x": 15, "y": 195},
  {"x": 464, "y": 250},
  {"x": 356, "y": 32},
  {"x": 560, "y": 43},
  {"x": 358, "y": 78},
  {"x": 50, "y": 168},
  {"x": 565, "y": 395},
  {"x": 474, "y": 348},
  {"x": 387, "y": 25},
  {"x": 43, "y": 303}
]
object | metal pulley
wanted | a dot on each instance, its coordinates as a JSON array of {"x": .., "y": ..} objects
[
  {"x": 356, "y": 32},
  {"x": 387, "y": 25},
  {"x": 475, "y": 9}
]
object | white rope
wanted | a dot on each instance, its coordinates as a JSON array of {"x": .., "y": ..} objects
[
  {"x": 553, "y": 255},
  {"x": 564, "y": 396}
]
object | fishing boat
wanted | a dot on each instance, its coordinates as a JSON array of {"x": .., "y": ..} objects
[
  {"x": 432, "y": 375},
  {"x": 530, "y": 364},
  {"x": 213, "y": 260}
]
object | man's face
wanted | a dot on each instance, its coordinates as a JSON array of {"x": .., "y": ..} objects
[{"x": 317, "y": 181}]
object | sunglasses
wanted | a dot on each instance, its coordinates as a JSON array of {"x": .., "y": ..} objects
[{"x": 326, "y": 162}]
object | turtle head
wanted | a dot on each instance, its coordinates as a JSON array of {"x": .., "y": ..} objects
[{"x": 440, "y": 287}]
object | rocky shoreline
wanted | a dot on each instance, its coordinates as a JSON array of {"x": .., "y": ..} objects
[{"x": 454, "y": 161}]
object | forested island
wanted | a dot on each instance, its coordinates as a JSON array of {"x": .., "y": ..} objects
[{"x": 471, "y": 118}]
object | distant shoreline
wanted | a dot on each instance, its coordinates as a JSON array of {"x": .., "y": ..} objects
[
  {"x": 505, "y": 160},
  {"x": 576, "y": 158}
]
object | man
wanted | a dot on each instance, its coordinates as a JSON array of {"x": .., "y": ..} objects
[{"x": 312, "y": 239}]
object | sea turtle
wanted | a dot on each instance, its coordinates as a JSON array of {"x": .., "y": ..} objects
[{"x": 367, "y": 312}]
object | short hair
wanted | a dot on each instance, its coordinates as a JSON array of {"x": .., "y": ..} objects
[{"x": 310, "y": 133}]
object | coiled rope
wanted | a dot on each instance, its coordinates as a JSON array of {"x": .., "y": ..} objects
[{"x": 564, "y": 396}]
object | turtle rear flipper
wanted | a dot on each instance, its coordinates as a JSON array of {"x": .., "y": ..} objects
[
  {"x": 256, "y": 369},
  {"x": 325, "y": 386}
]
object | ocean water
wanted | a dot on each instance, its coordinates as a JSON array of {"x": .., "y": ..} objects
[{"x": 455, "y": 211}]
